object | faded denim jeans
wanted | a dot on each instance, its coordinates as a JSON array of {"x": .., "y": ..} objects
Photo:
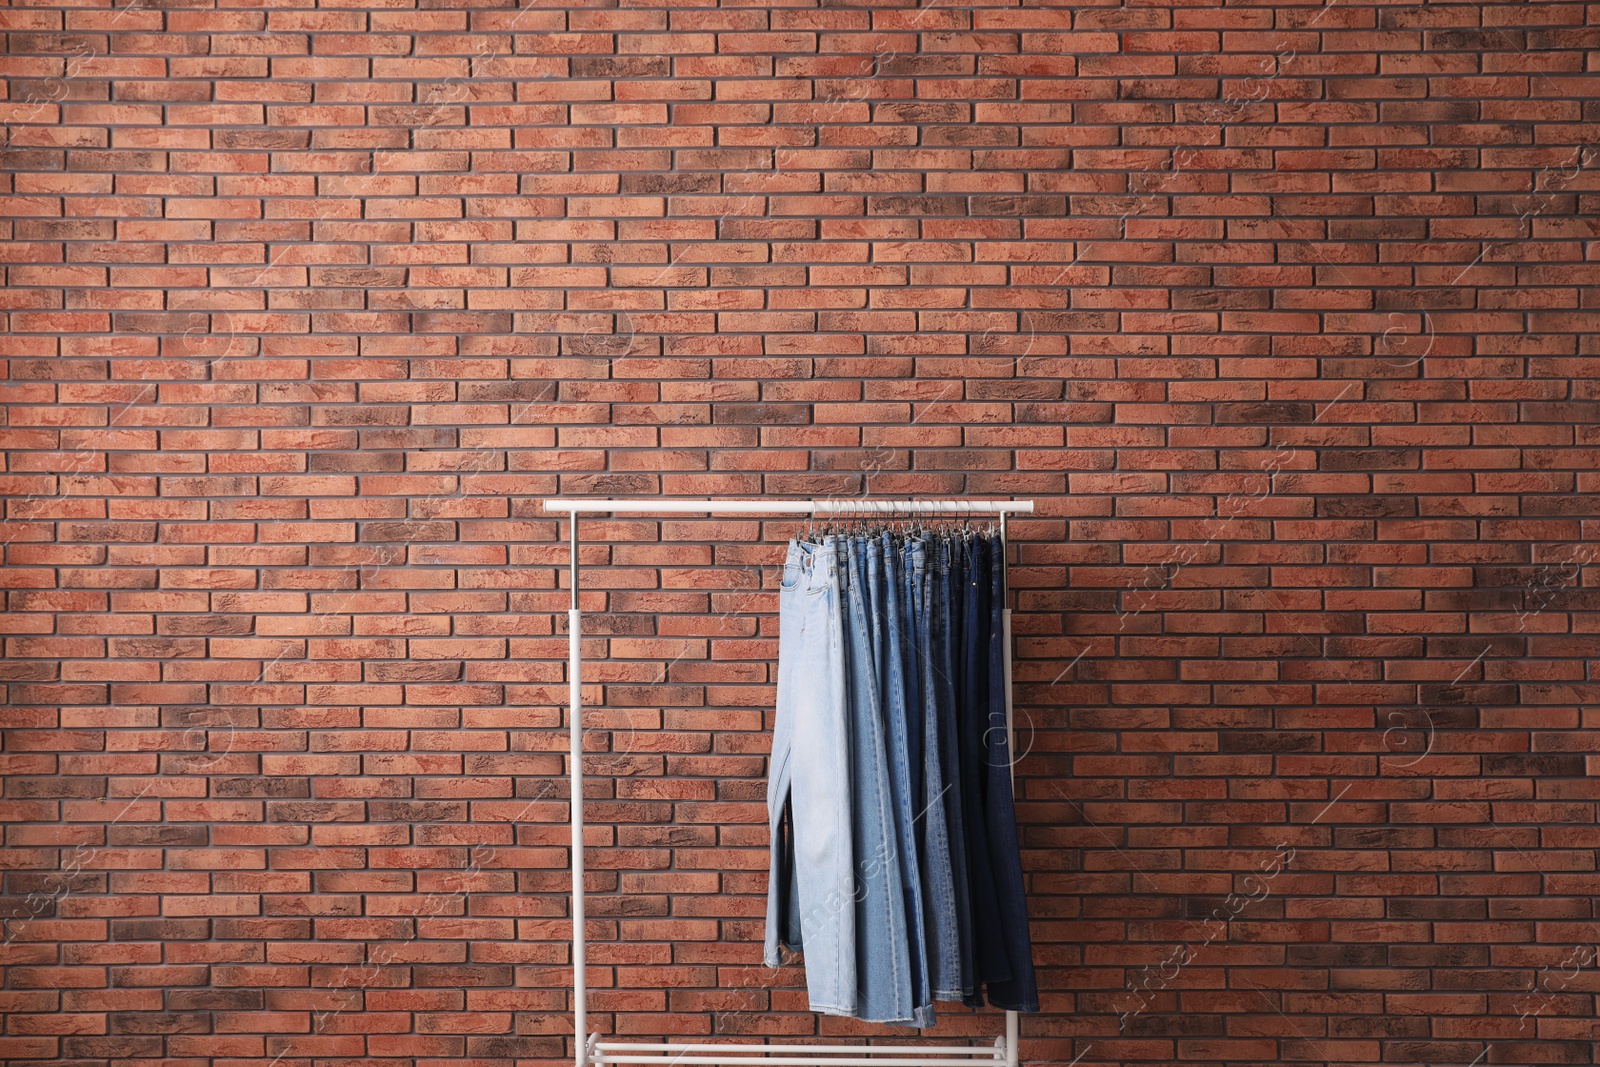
[{"x": 810, "y": 768}]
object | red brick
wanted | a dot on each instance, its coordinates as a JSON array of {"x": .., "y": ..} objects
[{"x": 1281, "y": 315}]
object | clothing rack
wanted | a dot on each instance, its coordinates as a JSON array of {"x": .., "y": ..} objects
[{"x": 592, "y": 1050}]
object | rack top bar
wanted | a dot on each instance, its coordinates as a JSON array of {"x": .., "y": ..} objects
[{"x": 844, "y": 506}]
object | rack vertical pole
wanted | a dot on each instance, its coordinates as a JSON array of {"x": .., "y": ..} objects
[
  {"x": 1013, "y": 1023},
  {"x": 580, "y": 978}
]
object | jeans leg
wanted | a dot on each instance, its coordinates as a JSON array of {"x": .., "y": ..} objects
[
  {"x": 992, "y": 962},
  {"x": 824, "y": 849},
  {"x": 883, "y": 973},
  {"x": 938, "y": 890},
  {"x": 790, "y": 935},
  {"x": 1020, "y": 993},
  {"x": 945, "y": 666},
  {"x": 907, "y": 645},
  {"x": 897, "y": 706},
  {"x": 780, "y": 768}
]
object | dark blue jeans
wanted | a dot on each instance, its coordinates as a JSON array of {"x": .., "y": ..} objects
[
  {"x": 1019, "y": 992},
  {"x": 992, "y": 961},
  {"x": 946, "y": 644}
]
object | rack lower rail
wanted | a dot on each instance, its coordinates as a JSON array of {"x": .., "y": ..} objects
[{"x": 623, "y": 1052}]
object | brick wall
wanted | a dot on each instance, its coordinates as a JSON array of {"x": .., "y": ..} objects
[{"x": 1284, "y": 314}]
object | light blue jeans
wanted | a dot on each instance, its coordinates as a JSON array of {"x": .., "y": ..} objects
[{"x": 810, "y": 767}]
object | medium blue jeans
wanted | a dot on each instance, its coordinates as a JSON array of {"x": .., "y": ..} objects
[
  {"x": 884, "y": 976},
  {"x": 946, "y": 638},
  {"x": 938, "y": 876},
  {"x": 809, "y": 771},
  {"x": 905, "y": 766}
]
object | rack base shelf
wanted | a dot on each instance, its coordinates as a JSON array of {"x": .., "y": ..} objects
[{"x": 1000, "y": 1054}]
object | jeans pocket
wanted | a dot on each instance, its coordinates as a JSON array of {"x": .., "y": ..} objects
[
  {"x": 820, "y": 578},
  {"x": 796, "y": 565},
  {"x": 791, "y": 576}
]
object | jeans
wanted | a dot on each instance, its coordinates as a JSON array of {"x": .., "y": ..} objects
[
  {"x": 938, "y": 875},
  {"x": 884, "y": 984},
  {"x": 1019, "y": 993},
  {"x": 809, "y": 772},
  {"x": 946, "y": 643},
  {"x": 905, "y": 769},
  {"x": 992, "y": 962},
  {"x": 895, "y": 858}
]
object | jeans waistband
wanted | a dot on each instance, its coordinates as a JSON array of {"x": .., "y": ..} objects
[{"x": 810, "y": 565}]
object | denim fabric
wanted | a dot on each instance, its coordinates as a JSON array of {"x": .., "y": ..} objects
[
  {"x": 941, "y": 932},
  {"x": 809, "y": 771},
  {"x": 1020, "y": 992},
  {"x": 904, "y": 748},
  {"x": 988, "y": 937},
  {"x": 895, "y": 858},
  {"x": 913, "y": 573},
  {"x": 884, "y": 983},
  {"x": 785, "y": 880},
  {"x": 946, "y": 641}
]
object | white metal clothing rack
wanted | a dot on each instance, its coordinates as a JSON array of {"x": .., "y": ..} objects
[{"x": 592, "y": 1050}]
